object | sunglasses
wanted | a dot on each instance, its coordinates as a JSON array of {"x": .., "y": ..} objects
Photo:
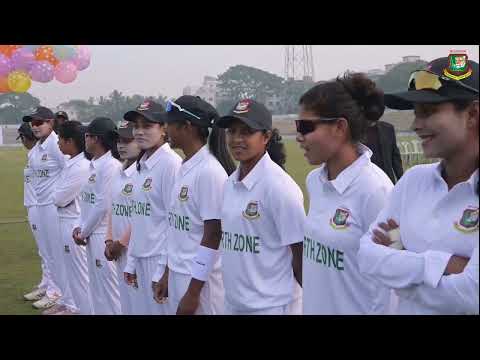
[
  {"x": 422, "y": 79},
  {"x": 307, "y": 126},
  {"x": 38, "y": 122},
  {"x": 171, "y": 104}
]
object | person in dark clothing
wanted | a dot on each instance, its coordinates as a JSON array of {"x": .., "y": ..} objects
[{"x": 382, "y": 141}]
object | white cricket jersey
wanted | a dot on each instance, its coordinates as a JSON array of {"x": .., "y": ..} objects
[
  {"x": 67, "y": 192},
  {"x": 96, "y": 201},
  {"x": 341, "y": 210},
  {"x": 29, "y": 198},
  {"x": 196, "y": 197},
  {"x": 262, "y": 215},
  {"x": 435, "y": 223},
  {"x": 47, "y": 162},
  {"x": 122, "y": 204},
  {"x": 150, "y": 200}
]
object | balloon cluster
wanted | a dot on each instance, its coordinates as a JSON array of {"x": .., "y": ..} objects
[{"x": 20, "y": 64}]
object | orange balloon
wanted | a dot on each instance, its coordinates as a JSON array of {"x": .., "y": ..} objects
[
  {"x": 8, "y": 50},
  {"x": 4, "y": 88},
  {"x": 46, "y": 53}
]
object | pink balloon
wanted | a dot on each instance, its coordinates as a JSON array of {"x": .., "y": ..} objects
[
  {"x": 65, "y": 72},
  {"x": 42, "y": 71},
  {"x": 5, "y": 65},
  {"x": 22, "y": 59},
  {"x": 82, "y": 59}
]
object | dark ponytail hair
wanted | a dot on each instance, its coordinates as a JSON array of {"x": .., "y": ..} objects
[
  {"x": 109, "y": 142},
  {"x": 217, "y": 144},
  {"x": 276, "y": 149},
  {"x": 353, "y": 96},
  {"x": 76, "y": 131}
]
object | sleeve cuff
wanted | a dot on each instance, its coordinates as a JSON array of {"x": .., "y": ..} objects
[
  {"x": 158, "y": 273},
  {"x": 130, "y": 266},
  {"x": 435, "y": 265}
]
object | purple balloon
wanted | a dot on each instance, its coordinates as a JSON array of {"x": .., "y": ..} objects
[
  {"x": 22, "y": 59},
  {"x": 42, "y": 71},
  {"x": 5, "y": 65},
  {"x": 82, "y": 59}
]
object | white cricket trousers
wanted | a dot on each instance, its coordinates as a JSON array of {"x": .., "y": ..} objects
[
  {"x": 49, "y": 235},
  {"x": 143, "y": 302},
  {"x": 77, "y": 293},
  {"x": 212, "y": 296},
  {"x": 293, "y": 308},
  {"x": 33, "y": 221},
  {"x": 127, "y": 293},
  {"x": 103, "y": 278}
]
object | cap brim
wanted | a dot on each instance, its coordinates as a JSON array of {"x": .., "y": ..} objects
[
  {"x": 406, "y": 100},
  {"x": 125, "y": 133},
  {"x": 226, "y": 121},
  {"x": 133, "y": 114},
  {"x": 30, "y": 118},
  {"x": 174, "y": 116}
]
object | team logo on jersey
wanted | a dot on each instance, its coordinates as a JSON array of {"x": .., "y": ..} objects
[
  {"x": 243, "y": 106},
  {"x": 147, "y": 185},
  {"x": 67, "y": 249},
  {"x": 183, "y": 196},
  {"x": 98, "y": 263},
  {"x": 34, "y": 227},
  {"x": 251, "y": 212},
  {"x": 27, "y": 179},
  {"x": 339, "y": 220},
  {"x": 44, "y": 157},
  {"x": 458, "y": 68},
  {"x": 469, "y": 221},
  {"x": 127, "y": 190},
  {"x": 91, "y": 179}
]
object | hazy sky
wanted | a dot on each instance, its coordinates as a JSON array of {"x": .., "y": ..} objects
[{"x": 166, "y": 70}]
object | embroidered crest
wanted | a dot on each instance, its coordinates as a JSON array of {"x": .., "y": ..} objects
[
  {"x": 91, "y": 179},
  {"x": 34, "y": 227},
  {"x": 67, "y": 249},
  {"x": 127, "y": 190},
  {"x": 147, "y": 185},
  {"x": 44, "y": 157},
  {"x": 98, "y": 263},
  {"x": 123, "y": 124},
  {"x": 243, "y": 106},
  {"x": 251, "y": 212},
  {"x": 183, "y": 196},
  {"x": 339, "y": 220},
  {"x": 458, "y": 68},
  {"x": 144, "y": 106},
  {"x": 469, "y": 221}
]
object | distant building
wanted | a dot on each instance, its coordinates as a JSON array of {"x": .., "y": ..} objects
[
  {"x": 375, "y": 72},
  {"x": 207, "y": 91},
  {"x": 389, "y": 67},
  {"x": 410, "y": 58}
]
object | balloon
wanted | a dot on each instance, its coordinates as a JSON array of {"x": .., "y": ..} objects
[
  {"x": 22, "y": 59},
  {"x": 5, "y": 65},
  {"x": 4, "y": 88},
  {"x": 65, "y": 72},
  {"x": 8, "y": 50},
  {"x": 42, "y": 71},
  {"x": 32, "y": 48},
  {"x": 19, "y": 81},
  {"x": 45, "y": 52},
  {"x": 64, "y": 52},
  {"x": 82, "y": 59}
]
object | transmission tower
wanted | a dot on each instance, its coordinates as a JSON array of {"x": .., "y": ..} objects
[{"x": 299, "y": 62}]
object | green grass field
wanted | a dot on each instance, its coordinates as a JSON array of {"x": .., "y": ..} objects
[{"x": 19, "y": 261}]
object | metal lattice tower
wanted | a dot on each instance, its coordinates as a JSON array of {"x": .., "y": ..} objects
[{"x": 299, "y": 62}]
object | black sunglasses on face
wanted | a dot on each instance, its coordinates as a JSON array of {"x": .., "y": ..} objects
[{"x": 307, "y": 126}]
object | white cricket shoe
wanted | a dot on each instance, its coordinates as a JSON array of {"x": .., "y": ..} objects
[
  {"x": 35, "y": 295},
  {"x": 45, "y": 303},
  {"x": 54, "y": 309}
]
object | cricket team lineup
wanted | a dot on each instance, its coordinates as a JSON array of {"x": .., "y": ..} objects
[{"x": 125, "y": 226}]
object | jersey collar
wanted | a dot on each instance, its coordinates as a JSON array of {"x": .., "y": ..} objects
[
  {"x": 50, "y": 138},
  {"x": 153, "y": 159},
  {"x": 98, "y": 162},
  {"x": 257, "y": 173},
  {"x": 194, "y": 160},
  {"x": 75, "y": 159},
  {"x": 348, "y": 175}
]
